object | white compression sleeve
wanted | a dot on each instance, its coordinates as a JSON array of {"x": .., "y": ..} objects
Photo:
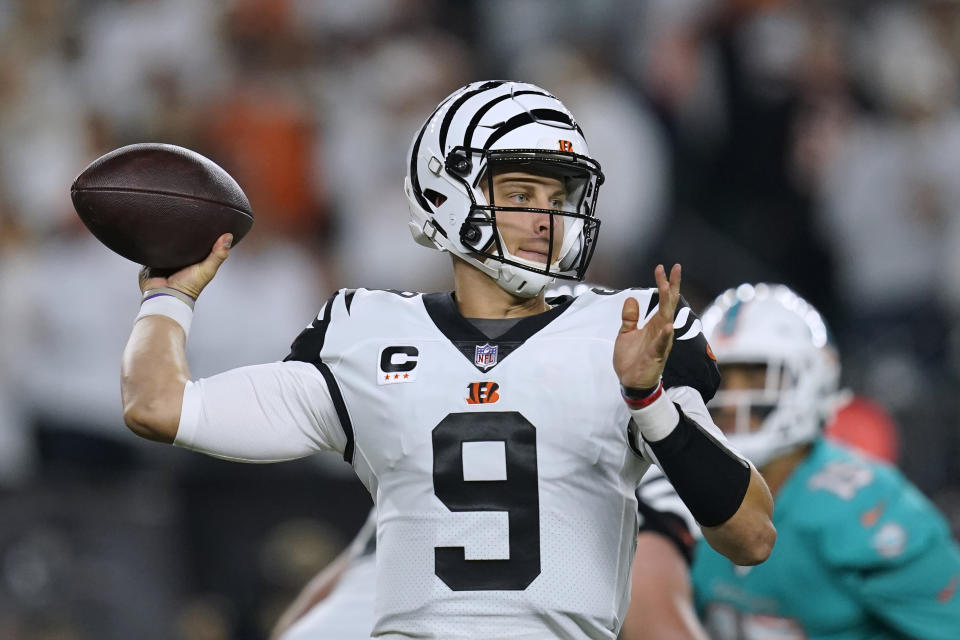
[
  {"x": 263, "y": 413},
  {"x": 693, "y": 406}
]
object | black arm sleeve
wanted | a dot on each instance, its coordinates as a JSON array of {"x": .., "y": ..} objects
[{"x": 708, "y": 477}]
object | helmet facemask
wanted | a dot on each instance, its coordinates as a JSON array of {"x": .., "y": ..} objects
[
  {"x": 573, "y": 227},
  {"x": 774, "y": 417}
]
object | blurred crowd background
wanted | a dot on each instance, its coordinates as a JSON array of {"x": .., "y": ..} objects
[{"x": 814, "y": 143}]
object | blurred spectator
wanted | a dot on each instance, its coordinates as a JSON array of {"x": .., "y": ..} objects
[
  {"x": 271, "y": 288},
  {"x": 727, "y": 77},
  {"x": 17, "y": 451},
  {"x": 127, "y": 45},
  {"x": 72, "y": 552},
  {"x": 261, "y": 126},
  {"x": 887, "y": 198},
  {"x": 206, "y": 617},
  {"x": 358, "y": 19},
  {"x": 662, "y": 49},
  {"x": 264, "y": 140},
  {"x": 72, "y": 299},
  {"x": 889, "y": 190},
  {"x": 42, "y": 113},
  {"x": 511, "y": 30},
  {"x": 373, "y": 105}
]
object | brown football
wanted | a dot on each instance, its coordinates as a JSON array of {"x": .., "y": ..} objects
[{"x": 160, "y": 205}]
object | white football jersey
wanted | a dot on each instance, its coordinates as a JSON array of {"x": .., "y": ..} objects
[
  {"x": 502, "y": 469},
  {"x": 347, "y": 613},
  {"x": 663, "y": 512}
]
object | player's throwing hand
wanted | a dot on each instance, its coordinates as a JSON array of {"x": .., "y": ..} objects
[
  {"x": 640, "y": 353},
  {"x": 192, "y": 279}
]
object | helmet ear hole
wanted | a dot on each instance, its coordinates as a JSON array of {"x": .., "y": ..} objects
[{"x": 434, "y": 197}]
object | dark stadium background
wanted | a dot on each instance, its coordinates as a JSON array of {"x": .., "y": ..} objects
[{"x": 807, "y": 142}]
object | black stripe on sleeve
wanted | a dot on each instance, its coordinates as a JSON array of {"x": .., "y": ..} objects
[
  {"x": 690, "y": 363},
  {"x": 340, "y": 406},
  {"x": 348, "y": 298},
  {"x": 633, "y": 435},
  {"x": 307, "y": 347},
  {"x": 654, "y": 301}
]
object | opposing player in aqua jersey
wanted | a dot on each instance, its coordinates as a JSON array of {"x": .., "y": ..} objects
[
  {"x": 501, "y": 433},
  {"x": 860, "y": 552}
]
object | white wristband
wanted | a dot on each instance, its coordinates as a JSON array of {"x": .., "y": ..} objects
[
  {"x": 657, "y": 420},
  {"x": 166, "y": 305}
]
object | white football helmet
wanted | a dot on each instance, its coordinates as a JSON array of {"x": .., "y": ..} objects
[
  {"x": 770, "y": 325},
  {"x": 473, "y": 130}
]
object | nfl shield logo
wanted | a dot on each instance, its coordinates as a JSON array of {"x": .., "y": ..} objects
[{"x": 485, "y": 356}]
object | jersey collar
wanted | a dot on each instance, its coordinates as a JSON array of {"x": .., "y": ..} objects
[{"x": 443, "y": 310}]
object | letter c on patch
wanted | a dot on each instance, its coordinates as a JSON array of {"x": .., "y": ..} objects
[{"x": 398, "y": 359}]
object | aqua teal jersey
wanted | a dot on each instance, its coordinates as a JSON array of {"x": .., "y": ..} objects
[{"x": 860, "y": 554}]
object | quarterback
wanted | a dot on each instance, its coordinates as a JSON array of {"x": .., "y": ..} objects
[
  {"x": 501, "y": 447},
  {"x": 861, "y": 553}
]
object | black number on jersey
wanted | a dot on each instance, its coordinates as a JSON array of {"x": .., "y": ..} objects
[{"x": 518, "y": 495}]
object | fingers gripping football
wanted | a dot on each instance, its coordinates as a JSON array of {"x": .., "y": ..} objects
[
  {"x": 640, "y": 353},
  {"x": 192, "y": 279}
]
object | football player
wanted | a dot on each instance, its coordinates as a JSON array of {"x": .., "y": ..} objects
[
  {"x": 338, "y": 603},
  {"x": 501, "y": 447},
  {"x": 860, "y": 552}
]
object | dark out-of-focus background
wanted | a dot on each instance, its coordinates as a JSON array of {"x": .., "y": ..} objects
[{"x": 808, "y": 142}]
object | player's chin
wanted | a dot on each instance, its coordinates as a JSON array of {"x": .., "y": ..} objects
[{"x": 532, "y": 256}]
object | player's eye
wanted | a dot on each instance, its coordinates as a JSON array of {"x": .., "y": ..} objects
[
  {"x": 557, "y": 203},
  {"x": 519, "y": 197}
]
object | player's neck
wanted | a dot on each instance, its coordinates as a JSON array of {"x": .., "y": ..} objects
[
  {"x": 778, "y": 470},
  {"x": 478, "y": 296}
]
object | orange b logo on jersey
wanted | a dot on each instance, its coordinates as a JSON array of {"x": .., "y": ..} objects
[
  {"x": 566, "y": 145},
  {"x": 482, "y": 392}
]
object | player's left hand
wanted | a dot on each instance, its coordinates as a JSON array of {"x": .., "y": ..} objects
[{"x": 640, "y": 353}]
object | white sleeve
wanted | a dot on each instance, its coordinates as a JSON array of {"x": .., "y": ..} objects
[
  {"x": 691, "y": 402},
  {"x": 263, "y": 413}
]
